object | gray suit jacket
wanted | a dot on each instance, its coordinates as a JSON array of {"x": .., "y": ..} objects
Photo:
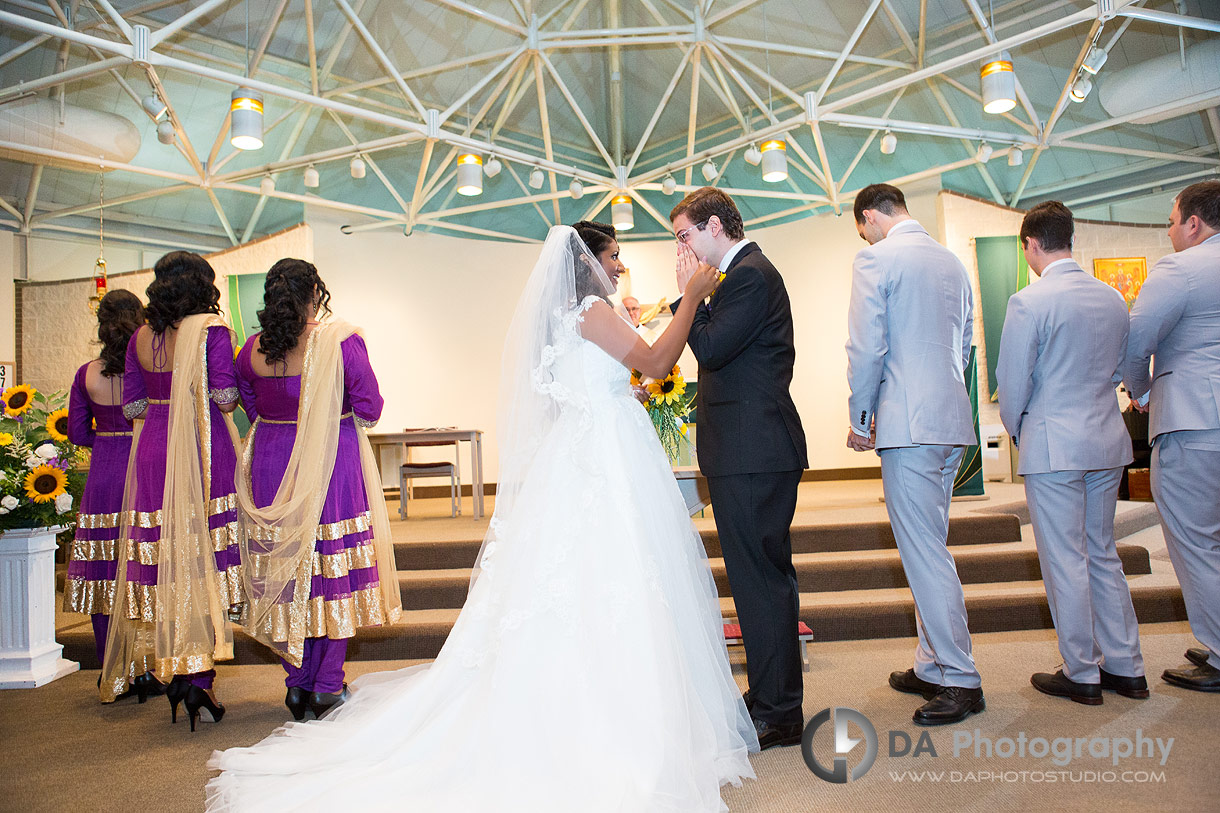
[
  {"x": 1177, "y": 319},
  {"x": 1060, "y": 357},
  {"x": 910, "y": 327}
]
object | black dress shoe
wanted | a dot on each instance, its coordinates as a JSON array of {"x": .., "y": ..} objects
[
  {"x": 748, "y": 700},
  {"x": 1202, "y": 678},
  {"x": 911, "y": 683},
  {"x": 771, "y": 735},
  {"x": 1136, "y": 687},
  {"x": 1198, "y": 656},
  {"x": 297, "y": 701},
  {"x": 951, "y": 704},
  {"x": 323, "y": 702},
  {"x": 1058, "y": 684}
]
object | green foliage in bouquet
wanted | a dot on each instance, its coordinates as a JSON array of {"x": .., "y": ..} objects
[
  {"x": 41, "y": 480},
  {"x": 668, "y": 407}
]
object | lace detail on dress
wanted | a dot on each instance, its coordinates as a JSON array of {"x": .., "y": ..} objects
[
  {"x": 363, "y": 422},
  {"x": 135, "y": 409},
  {"x": 226, "y": 395}
]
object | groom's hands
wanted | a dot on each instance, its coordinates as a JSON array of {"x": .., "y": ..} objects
[
  {"x": 859, "y": 443},
  {"x": 695, "y": 278},
  {"x": 687, "y": 264}
]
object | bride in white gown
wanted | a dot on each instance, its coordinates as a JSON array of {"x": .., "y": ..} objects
[{"x": 587, "y": 670}]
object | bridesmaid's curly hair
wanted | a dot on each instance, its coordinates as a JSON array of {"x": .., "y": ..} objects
[
  {"x": 119, "y": 315},
  {"x": 288, "y": 302},
  {"x": 185, "y": 284}
]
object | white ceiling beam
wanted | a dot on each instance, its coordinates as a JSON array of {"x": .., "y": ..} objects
[
  {"x": 731, "y": 11},
  {"x": 978, "y": 98},
  {"x": 182, "y": 140},
  {"x": 420, "y": 176},
  {"x": 1197, "y": 99},
  {"x": 759, "y": 72},
  {"x": 85, "y": 71},
  {"x": 11, "y": 209},
  {"x": 220, "y": 213},
  {"x": 458, "y": 227},
  {"x": 1163, "y": 156},
  {"x": 967, "y": 144},
  {"x": 68, "y": 211},
  {"x": 869, "y": 140},
  {"x": 485, "y": 16},
  {"x": 482, "y": 83},
  {"x": 117, "y": 237},
  {"x": 611, "y": 165},
  {"x": 847, "y": 49},
  {"x": 425, "y": 70},
  {"x": 1166, "y": 18},
  {"x": 31, "y": 197},
  {"x": 650, "y": 209},
  {"x": 163, "y": 33},
  {"x": 693, "y": 108},
  {"x": 1141, "y": 187},
  {"x": 544, "y": 119},
  {"x": 265, "y": 40},
  {"x": 23, "y": 48},
  {"x": 814, "y": 53},
  {"x": 381, "y": 56},
  {"x": 512, "y": 173},
  {"x": 117, "y": 18},
  {"x": 394, "y": 193},
  {"x": 660, "y": 108}
]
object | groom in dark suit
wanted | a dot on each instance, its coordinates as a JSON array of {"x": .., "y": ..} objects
[{"x": 751, "y": 446}]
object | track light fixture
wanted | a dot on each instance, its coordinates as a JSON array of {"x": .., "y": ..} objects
[
  {"x": 1016, "y": 157},
  {"x": 1081, "y": 88},
  {"x": 669, "y": 185},
  {"x": 753, "y": 155},
  {"x": 708, "y": 170},
  {"x": 1096, "y": 58},
  {"x": 165, "y": 132},
  {"x": 356, "y": 167},
  {"x": 267, "y": 185},
  {"x": 154, "y": 107},
  {"x": 889, "y": 143},
  {"x": 536, "y": 178},
  {"x": 576, "y": 189},
  {"x": 312, "y": 180},
  {"x": 492, "y": 168},
  {"x": 984, "y": 153}
]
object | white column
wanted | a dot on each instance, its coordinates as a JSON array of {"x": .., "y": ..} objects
[{"x": 29, "y": 655}]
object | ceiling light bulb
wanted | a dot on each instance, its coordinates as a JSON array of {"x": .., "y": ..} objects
[
  {"x": 267, "y": 185},
  {"x": 753, "y": 155},
  {"x": 774, "y": 160},
  {"x": 984, "y": 153},
  {"x": 492, "y": 168},
  {"x": 999, "y": 84},
  {"x": 246, "y": 119},
  {"x": 576, "y": 189},
  {"x": 165, "y": 132},
  {"x": 356, "y": 167},
  {"x": 311, "y": 177},
  {"x": 708, "y": 170},
  {"x": 621, "y": 214},
  {"x": 1081, "y": 88},
  {"x": 536, "y": 178},
  {"x": 1096, "y": 58},
  {"x": 1016, "y": 157},
  {"x": 153, "y": 106},
  {"x": 889, "y": 143},
  {"x": 470, "y": 174},
  {"x": 669, "y": 185}
]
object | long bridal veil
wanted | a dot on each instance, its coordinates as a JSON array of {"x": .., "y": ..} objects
[{"x": 587, "y": 670}]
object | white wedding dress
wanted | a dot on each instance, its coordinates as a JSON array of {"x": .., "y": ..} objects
[{"x": 586, "y": 672}]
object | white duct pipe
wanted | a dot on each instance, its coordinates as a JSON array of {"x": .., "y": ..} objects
[
  {"x": 35, "y": 122},
  {"x": 1161, "y": 81}
]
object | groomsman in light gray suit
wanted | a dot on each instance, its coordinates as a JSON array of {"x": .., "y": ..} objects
[
  {"x": 1176, "y": 322},
  {"x": 909, "y": 332},
  {"x": 1060, "y": 359}
]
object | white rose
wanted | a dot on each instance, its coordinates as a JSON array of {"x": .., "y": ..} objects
[
  {"x": 63, "y": 503},
  {"x": 3, "y": 511},
  {"x": 33, "y": 462},
  {"x": 46, "y": 451},
  {"x": 9, "y": 502}
]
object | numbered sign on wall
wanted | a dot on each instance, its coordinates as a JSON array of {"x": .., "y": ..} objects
[{"x": 8, "y": 374}]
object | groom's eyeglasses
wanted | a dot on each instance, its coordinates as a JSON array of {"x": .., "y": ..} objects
[{"x": 685, "y": 233}]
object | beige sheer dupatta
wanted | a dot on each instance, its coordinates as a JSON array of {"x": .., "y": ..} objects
[
  {"x": 277, "y": 540},
  {"x": 190, "y": 631}
]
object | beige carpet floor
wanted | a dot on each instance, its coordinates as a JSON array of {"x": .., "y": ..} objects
[{"x": 62, "y": 750}]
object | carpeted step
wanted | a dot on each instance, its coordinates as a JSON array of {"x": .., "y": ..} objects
[
  {"x": 815, "y": 572},
  {"x": 977, "y": 529}
]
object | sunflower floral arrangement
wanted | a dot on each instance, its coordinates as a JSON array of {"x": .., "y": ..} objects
[
  {"x": 668, "y": 406},
  {"x": 40, "y": 481}
]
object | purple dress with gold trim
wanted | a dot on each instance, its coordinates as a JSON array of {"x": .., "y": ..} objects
[
  {"x": 151, "y": 389},
  {"x": 345, "y": 590},
  {"x": 89, "y": 587}
]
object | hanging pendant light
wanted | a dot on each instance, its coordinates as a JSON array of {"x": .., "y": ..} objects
[
  {"x": 246, "y": 119},
  {"x": 356, "y": 167},
  {"x": 536, "y": 178},
  {"x": 621, "y": 213},
  {"x": 470, "y": 174},
  {"x": 774, "y": 160},
  {"x": 669, "y": 185},
  {"x": 576, "y": 189},
  {"x": 999, "y": 84},
  {"x": 312, "y": 180},
  {"x": 889, "y": 143}
]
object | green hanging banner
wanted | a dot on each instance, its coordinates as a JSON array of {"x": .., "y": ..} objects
[
  {"x": 245, "y": 301},
  {"x": 1002, "y": 272},
  {"x": 969, "y": 480}
]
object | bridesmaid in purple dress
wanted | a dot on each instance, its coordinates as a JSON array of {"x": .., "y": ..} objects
[
  {"x": 95, "y": 418},
  {"x": 169, "y": 597},
  {"x": 345, "y": 592}
]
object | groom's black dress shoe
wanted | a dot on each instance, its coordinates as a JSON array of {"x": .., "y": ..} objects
[
  {"x": 1203, "y": 678},
  {"x": 1198, "y": 656},
  {"x": 952, "y": 704},
  {"x": 1058, "y": 684},
  {"x": 771, "y": 735},
  {"x": 748, "y": 700},
  {"x": 911, "y": 683},
  {"x": 1136, "y": 687}
]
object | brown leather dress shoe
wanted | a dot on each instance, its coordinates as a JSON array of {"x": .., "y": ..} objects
[
  {"x": 911, "y": 683},
  {"x": 1058, "y": 684},
  {"x": 1200, "y": 678},
  {"x": 1136, "y": 687}
]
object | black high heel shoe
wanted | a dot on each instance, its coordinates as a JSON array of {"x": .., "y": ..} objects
[
  {"x": 200, "y": 700},
  {"x": 323, "y": 702},
  {"x": 176, "y": 692},
  {"x": 297, "y": 701},
  {"x": 147, "y": 685}
]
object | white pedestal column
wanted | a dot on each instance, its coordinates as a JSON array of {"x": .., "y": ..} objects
[{"x": 29, "y": 656}]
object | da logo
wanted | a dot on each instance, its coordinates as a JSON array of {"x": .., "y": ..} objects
[{"x": 844, "y": 744}]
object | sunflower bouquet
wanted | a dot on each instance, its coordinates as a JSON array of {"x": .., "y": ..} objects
[
  {"x": 40, "y": 482},
  {"x": 668, "y": 406}
]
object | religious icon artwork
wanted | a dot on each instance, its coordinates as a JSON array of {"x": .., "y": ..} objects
[{"x": 1124, "y": 274}]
